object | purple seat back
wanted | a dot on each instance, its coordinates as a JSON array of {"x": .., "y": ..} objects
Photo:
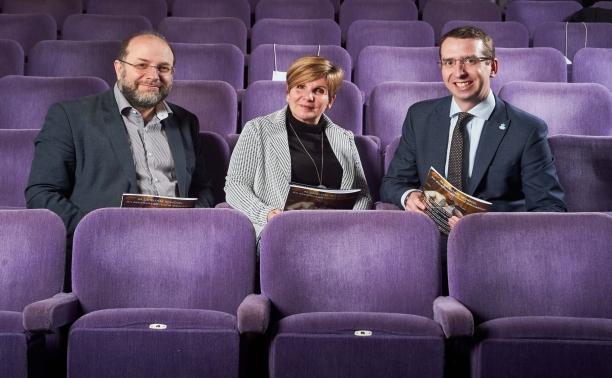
[
  {"x": 603, "y": 4},
  {"x": 591, "y": 65},
  {"x": 389, "y": 103},
  {"x": 363, "y": 33},
  {"x": 216, "y": 156},
  {"x": 16, "y": 153},
  {"x": 533, "y": 13},
  {"x": 27, "y": 29},
  {"x": 371, "y": 161},
  {"x": 352, "y": 10},
  {"x": 567, "y": 108},
  {"x": 542, "y": 64},
  {"x": 295, "y": 9},
  {"x": 377, "y": 64},
  {"x": 161, "y": 258},
  {"x": 267, "y": 96},
  {"x": 59, "y": 10},
  {"x": 536, "y": 264},
  {"x": 262, "y": 59},
  {"x": 154, "y": 10},
  {"x": 222, "y": 61},
  {"x": 205, "y": 30},
  {"x": 33, "y": 257},
  {"x": 583, "y": 164},
  {"x": 74, "y": 58},
  {"x": 213, "y": 8},
  {"x": 579, "y": 35},
  {"x": 103, "y": 27},
  {"x": 350, "y": 261},
  {"x": 390, "y": 152},
  {"x": 438, "y": 12},
  {"x": 214, "y": 103},
  {"x": 503, "y": 33},
  {"x": 11, "y": 59},
  {"x": 24, "y": 100},
  {"x": 295, "y": 32}
]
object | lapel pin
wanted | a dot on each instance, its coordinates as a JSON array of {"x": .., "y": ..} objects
[{"x": 502, "y": 126}]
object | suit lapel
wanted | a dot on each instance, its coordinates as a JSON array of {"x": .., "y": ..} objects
[
  {"x": 277, "y": 132},
  {"x": 438, "y": 135},
  {"x": 173, "y": 133}
]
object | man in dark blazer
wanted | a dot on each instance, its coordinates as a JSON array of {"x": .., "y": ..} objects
[
  {"x": 126, "y": 140},
  {"x": 509, "y": 162}
]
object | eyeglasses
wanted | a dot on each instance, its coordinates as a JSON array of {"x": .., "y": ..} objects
[
  {"x": 469, "y": 61},
  {"x": 163, "y": 69}
]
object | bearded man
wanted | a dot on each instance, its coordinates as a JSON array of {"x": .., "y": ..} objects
[{"x": 126, "y": 140}]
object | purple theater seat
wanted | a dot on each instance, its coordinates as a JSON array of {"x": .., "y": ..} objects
[
  {"x": 390, "y": 152},
  {"x": 294, "y": 9},
  {"x": 567, "y": 108},
  {"x": 356, "y": 291},
  {"x": 267, "y": 96},
  {"x": 389, "y": 103},
  {"x": 154, "y": 10},
  {"x": 205, "y": 30},
  {"x": 583, "y": 164},
  {"x": 371, "y": 161},
  {"x": 27, "y": 29},
  {"x": 438, "y": 12},
  {"x": 32, "y": 269},
  {"x": 170, "y": 280},
  {"x": 213, "y": 8},
  {"x": 216, "y": 156},
  {"x": 295, "y": 32},
  {"x": 592, "y": 65},
  {"x": 353, "y": 10},
  {"x": 503, "y": 33},
  {"x": 377, "y": 64},
  {"x": 11, "y": 58},
  {"x": 221, "y": 61},
  {"x": 74, "y": 58},
  {"x": 214, "y": 103},
  {"x": 16, "y": 153},
  {"x": 58, "y": 9},
  {"x": 533, "y": 289},
  {"x": 572, "y": 36},
  {"x": 603, "y": 4},
  {"x": 103, "y": 27},
  {"x": 542, "y": 64},
  {"x": 24, "y": 100},
  {"x": 262, "y": 61},
  {"x": 533, "y": 13},
  {"x": 363, "y": 33}
]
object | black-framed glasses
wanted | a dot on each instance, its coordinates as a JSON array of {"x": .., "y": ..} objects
[
  {"x": 162, "y": 69},
  {"x": 469, "y": 61}
]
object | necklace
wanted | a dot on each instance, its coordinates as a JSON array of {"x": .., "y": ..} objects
[{"x": 319, "y": 175}]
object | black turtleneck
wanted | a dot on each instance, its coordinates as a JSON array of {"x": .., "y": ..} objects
[{"x": 302, "y": 169}]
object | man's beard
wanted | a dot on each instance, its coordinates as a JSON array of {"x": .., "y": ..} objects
[{"x": 142, "y": 100}]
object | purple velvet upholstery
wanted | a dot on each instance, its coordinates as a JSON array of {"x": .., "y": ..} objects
[
  {"x": 11, "y": 58},
  {"x": 214, "y": 102},
  {"x": 389, "y": 103},
  {"x": 16, "y": 153},
  {"x": 27, "y": 29},
  {"x": 390, "y": 152},
  {"x": 103, "y": 27},
  {"x": 603, "y": 4},
  {"x": 266, "y": 96},
  {"x": 371, "y": 160},
  {"x": 355, "y": 274},
  {"x": 295, "y": 32},
  {"x": 377, "y": 64},
  {"x": 583, "y": 164},
  {"x": 205, "y": 30},
  {"x": 438, "y": 12},
  {"x": 363, "y": 33},
  {"x": 261, "y": 63},
  {"x": 591, "y": 65},
  {"x": 213, "y": 8},
  {"x": 352, "y": 10},
  {"x": 533, "y": 13},
  {"x": 24, "y": 100},
  {"x": 216, "y": 156},
  {"x": 503, "y": 33},
  {"x": 543, "y": 64},
  {"x": 567, "y": 108},
  {"x": 295, "y": 9},
  {"x": 74, "y": 58},
  {"x": 13, "y": 346},
  {"x": 209, "y": 62},
  {"x": 154, "y": 10},
  {"x": 579, "y": 35},
  {"x": 59, "y": 10}
]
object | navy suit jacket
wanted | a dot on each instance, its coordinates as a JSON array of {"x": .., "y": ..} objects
[
  {"x": 513, "y": 168},
  {"x": 83, "y": 159}
]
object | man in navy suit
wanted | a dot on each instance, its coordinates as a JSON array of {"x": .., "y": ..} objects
[
  {"x": 508, "y": 162},
  {"x": 126, "y": 140}
]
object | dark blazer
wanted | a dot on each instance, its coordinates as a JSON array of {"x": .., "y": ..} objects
[
  {"x": 83, "y": 159},
  {"x": 513, "y": 168}
]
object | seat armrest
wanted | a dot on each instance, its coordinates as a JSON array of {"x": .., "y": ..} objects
[
  {"x": 254, "y": 314},
  {"x": 385, "y": 206},
  {"x": 52, "y": 313},
  {"x": 223, "y": 205},
  {"x": 456, "y": 320}
]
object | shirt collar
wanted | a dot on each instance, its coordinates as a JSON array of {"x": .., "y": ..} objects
[
  {"x": 483, "y": 110},
  {"x": 162, "y": 110}
]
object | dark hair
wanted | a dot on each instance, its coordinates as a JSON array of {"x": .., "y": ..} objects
[
  {"x": 471, "y": 32},
  {"x": 126, "y": 42}
]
